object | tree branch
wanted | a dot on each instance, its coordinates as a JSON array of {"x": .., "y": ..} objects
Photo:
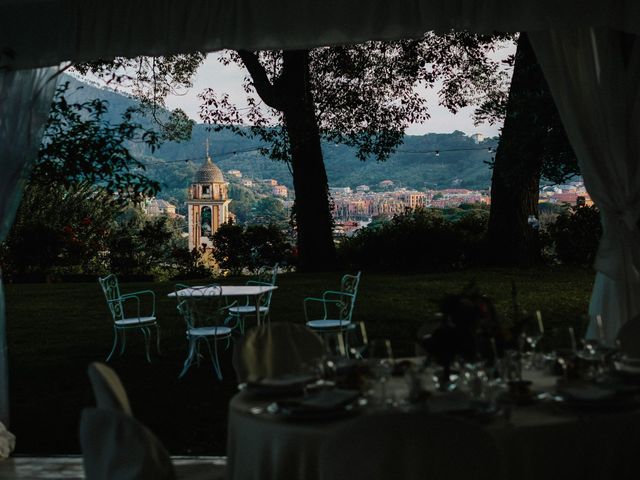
[{"x": 264, "y": 88}]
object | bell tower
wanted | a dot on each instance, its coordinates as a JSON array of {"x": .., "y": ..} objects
[{"x": 207, "y": 203}]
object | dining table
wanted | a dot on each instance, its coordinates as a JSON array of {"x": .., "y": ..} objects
[
  {"x": 256, "y": 292},
  {"x": 541, "y": 439}
]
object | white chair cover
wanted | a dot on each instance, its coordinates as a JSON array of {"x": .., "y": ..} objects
[
  {"x": 116, "y": 446},
  {"x": 275, "y": 350},
  {"x": 108, "y": 389},
  {"x": 629, "y": 338},
  {"x": 414, "y": 446}
]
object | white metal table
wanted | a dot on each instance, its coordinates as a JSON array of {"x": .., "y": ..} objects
[{"x": 255, "y": 291}]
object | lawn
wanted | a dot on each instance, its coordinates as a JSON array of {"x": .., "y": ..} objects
[{"x": 55, "y": 330}]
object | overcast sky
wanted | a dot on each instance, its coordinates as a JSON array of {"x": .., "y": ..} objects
[{"x": 229, "y": 79}]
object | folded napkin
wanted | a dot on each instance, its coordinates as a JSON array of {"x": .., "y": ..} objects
[
  {"x": 586, "y": 393},
  {"x": 329, "y": 399},
  {"x": 284, "y": 381},
  {"x": 7, "y": 442}
]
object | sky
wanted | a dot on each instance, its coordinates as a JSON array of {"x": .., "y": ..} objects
[{"x": 229, "y": 79}]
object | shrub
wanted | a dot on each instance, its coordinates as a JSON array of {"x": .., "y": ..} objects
[
  {"x": 236, "y": 248},
  {"x": 417, "y": 240},
  {"x": 576, "y": 234}
]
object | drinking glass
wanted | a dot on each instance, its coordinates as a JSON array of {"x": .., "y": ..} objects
[
  {"x": 357, "y": 340},
  {"x": 532, "y": 333},
  {"x": 381, "y": 359}
]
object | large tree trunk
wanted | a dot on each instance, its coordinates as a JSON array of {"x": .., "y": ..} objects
[
  {"x": 518, "y": 163},
  {"x": 312, "y": 210}
]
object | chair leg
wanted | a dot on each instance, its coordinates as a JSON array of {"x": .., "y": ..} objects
[
  {"x": 147, "y": 334},
  {"x": 189, "y": 360},
  {"x": 158, "y": 338},
  {"x": 214, "y": 357},
  {"x": 115, "y": 344},
  {"x": 124, "y": 341}
]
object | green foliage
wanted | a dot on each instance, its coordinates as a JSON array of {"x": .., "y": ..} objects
[
  {"x": 576, "y": 234},
  {"x": 81, "y": 145},
  {"x": 59, "y": 230},
  {"x": 141, "y": 246},
  {"x": 236, "y": 248},
  {"x": 418, "y": 240}
]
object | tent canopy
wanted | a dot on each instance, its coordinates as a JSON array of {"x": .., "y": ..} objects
[{"x": 38, "y": 33}]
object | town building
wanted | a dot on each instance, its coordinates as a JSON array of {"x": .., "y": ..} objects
[
  {"x": 234, "y": 173},
  {"x": 207, "y": 204},
  {"x": 158, "y": 208},
  {"x": 280, "y": 191}
]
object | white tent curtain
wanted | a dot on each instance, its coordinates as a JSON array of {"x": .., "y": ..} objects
[
  {"x": 599, "y": 109},
  {"x": 594, "y": 75},
  {"x": 25, "y": 99},
  {"x": 37, "y": 33}
]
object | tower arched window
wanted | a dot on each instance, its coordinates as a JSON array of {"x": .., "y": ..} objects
[{"x": 205, "y": 222}]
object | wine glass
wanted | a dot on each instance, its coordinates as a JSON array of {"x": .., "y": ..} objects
[
  {"x": 381, "y": 358},
  {"x": 532, "y": 333},
  {"x": 357, "y": 340}
]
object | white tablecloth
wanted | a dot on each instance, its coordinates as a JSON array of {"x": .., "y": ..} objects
[{"x": 536, "y": 443}]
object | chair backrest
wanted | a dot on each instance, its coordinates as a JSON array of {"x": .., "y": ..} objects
[
  {"x": 201, "y": 306},
  {"x": 108, "y": 389},
  {"x": 274, "y": 350},
  {"x": 408, "y": 446},
  {"x": 117, "y": 446},
  {"x": 111, "y": 291},
  {"x": 267, "y": 275},
  {"x": 629, "y": 338},
  {"x": 265, "y": 300},
  {"x": 349, "y": 286}
]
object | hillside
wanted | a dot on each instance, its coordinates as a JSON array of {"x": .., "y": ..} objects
[{"x": 457, "y": 168}]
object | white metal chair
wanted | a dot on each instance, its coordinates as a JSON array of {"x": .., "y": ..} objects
[
  {"x": 337, "y": 311},
  {"x": 123, "y": 320},
  {"x": 203, "y": 311},
  {"x": 238, "y": 313}
]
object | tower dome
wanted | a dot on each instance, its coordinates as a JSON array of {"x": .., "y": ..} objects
[{"x": 209, "y": 173}]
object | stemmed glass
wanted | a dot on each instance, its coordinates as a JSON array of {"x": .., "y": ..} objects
[
  {"x": 381, "y": 357},
  {"x": 357, "y": 340},
  {"x": 532, "y": 333}
]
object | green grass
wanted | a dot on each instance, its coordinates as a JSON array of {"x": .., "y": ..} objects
[{"x": 56, "y": 330}]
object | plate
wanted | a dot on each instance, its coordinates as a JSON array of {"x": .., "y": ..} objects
[
  {"x": 285, "y": 385},
  {"x": 323, "y": 405},
  {"x": 595, "y": 398}
]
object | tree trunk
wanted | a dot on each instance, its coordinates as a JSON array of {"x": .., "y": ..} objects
[
  {"x": 516, "y": 172},
  {"x": 314, "y": 222}
]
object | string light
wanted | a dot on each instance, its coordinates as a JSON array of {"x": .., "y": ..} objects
[{"x": 235, "y": 153}]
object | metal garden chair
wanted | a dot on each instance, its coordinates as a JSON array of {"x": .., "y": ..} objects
[
  {"x": 123, "y": 321},
  {"x": 237, "y": 314},
  {"x": 203, "y": 311},
  {"x": 337, "y": 310}
]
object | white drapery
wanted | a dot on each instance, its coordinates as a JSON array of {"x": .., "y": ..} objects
[
  {"x": 25, "y": 99},
  {"x": 594, "y": 75},
  {"x": 48, "y": 32},
  {"x": 36, "y": 33}
]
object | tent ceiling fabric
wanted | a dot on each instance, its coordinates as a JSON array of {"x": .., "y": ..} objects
[{"x": 36, "y": 33}]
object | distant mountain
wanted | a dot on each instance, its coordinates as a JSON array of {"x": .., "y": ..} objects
[{"x": 460, "y": 161}]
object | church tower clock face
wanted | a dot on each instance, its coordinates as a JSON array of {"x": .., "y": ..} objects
[{"x": 207, "y": 204}]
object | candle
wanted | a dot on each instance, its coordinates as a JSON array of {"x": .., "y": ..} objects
[
  {"x": 572, "y": 337},
  {"x": 600, "y": 326},
  {"x": 539, "y": 317}
]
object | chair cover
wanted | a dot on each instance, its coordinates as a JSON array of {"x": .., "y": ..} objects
[
  {"x": 275, "y": 350},
  {"x": 108, "y": 389},
  {"x": 629, "y": 338},
  {"x": 116, "y": 446},
  {"x": 413, "y": 446}
]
